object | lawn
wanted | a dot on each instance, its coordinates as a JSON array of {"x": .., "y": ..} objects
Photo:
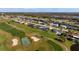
[
  {"x": 12, "y": 30},
  {"x": 68, "y": 43},
  {"x": 2, "y": 38},
  {"x": 34, "y": 30},
  {"x": 3, "y": 47},
  {"x": 49, "y": 34},
  {"x": 55, "y": 46}
]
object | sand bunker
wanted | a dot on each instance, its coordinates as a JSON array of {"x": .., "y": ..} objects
[
  {"x": 35, "y": 38},
  {"x": 14, "y": 42}
]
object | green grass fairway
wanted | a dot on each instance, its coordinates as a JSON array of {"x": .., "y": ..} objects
[
  {"x": 30, "y": 30},
  {"x": 2, "y": 38},
  {"x": 2, "y": 48},
  {"x": 55, "y": 46},
  {"x": 49, "y": 34},
  {"x": 12, "y": 30},
  {"x": 2, "y": 43}
]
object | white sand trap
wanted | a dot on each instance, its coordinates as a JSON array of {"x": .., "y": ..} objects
[
  {"x": 35, "y": 38},
  {"x": 14, "y": 42}
]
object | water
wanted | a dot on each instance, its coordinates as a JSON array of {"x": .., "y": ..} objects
[{"x": 25, "y": 41}]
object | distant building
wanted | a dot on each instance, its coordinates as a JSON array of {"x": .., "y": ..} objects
[
  {"x": 55, "y": 24},
  {"x": 75, "y": 36},
  {"x": 64, "y": 26},
  {"x": 31, "y": 25},
  {"x": 58, "y": 32},
  {"x": 43, "y": 28}
]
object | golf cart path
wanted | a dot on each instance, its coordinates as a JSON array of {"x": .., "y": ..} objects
[{"x": 62, "y": 45}]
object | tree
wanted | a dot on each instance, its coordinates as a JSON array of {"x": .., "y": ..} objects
[{"x": 63, "y": 37}]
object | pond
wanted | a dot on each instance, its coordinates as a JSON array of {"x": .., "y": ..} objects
[{"x": 25, "y": 41}]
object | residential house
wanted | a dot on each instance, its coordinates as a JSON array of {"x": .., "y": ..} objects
[
  {"x": 58, "y": 32},
  {"x": 55, "y": 24},
  {"x": 43, "y": 27}
]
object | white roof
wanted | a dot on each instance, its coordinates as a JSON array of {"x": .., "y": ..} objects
[{"x": 75, "y": 36}]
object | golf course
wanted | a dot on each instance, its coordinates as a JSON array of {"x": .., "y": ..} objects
[{"x": 12, "y": 30}]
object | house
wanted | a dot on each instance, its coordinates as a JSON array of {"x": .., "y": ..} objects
[
  {"x": 63, "y": 26},
  {"x": 41, "y": 19},
  {"x": 43, "y": 27},
  {"x": 41, "y": 22},
  {"x": 75, "y": 36},
  {"x": 35, "y": 20},
  {"x": 55, "y": 24},
  {"x": 50, "y": 27},
  {"x": 26, "y": 23},
  {"x": 30, "y": 25},
  {"x": 37, "y": 25},
  {"x": 72, "y": 27},
  {"x": 75, "y": 16},
  {"x": 76, "y": 22},
  {"x": 58, "y": 32},
  {"x": 64, "y": 30},
  {"x": 69, "y": 36}
]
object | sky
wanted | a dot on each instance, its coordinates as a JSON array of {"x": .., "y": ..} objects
[{"x": 39, "y": 9}]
